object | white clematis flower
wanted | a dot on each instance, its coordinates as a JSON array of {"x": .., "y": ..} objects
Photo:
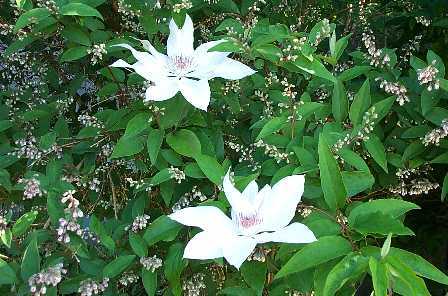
[
  {"x": 183, "y": 69},
  {"x": 257, "y": 217}
]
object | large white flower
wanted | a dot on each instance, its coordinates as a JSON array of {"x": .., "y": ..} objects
[
  {"x": 257, "y": 217},
  {"x": 183, "y": 69}
]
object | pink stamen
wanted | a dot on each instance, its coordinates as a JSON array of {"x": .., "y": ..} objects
[{"x": 247, "y": 221}]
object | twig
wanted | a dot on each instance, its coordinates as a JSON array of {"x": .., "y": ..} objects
[{"x": 114, "y": 197}]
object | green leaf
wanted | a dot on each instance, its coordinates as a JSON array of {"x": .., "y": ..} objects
[
  {"x": 174, "y": 264},
  {"x": 74, "y": 53},
  {"x": 381, "y": 108},
  {"x": 127, "y": 146},
  {"x": 184, "y": 142},
  {"x": 5, "y": 124},
  {"x": 254, "y": 273},
  {"x": 77, "y": 35},
  {"x": 163, "y": 228},
  {"x": 6, "y": 237},
  {"x": 357, "y": 181},
  {"x": 314, "y": 67},
  {"x": 376, "y": 149},
  {"x": 360, "y": 103},
  {"x": 154, "y": 142},
  {"x": 31, "y": 260},
  {"x": 442, "y": 158},
  {"x": 380, "y": 280},
  {"x": 349, "y": 268},
  {"x": 80, "y": 9},
  {"x": 117, "y": 266},
  {"x": 379, "y": 223},
  {"x": 316, "y": 253},
  {"x": 354, "y": 72},
  {"x": 23, "y": 223},
  {"x": 340, "y": 46},
  {"x": 137, "y": 124},
  {"x": 7, "y": 274},
  {"x": 413, "y": 285},
  {"x": 162, "y": 176},
  {"x": 149, "y": 279},
  {"x": 331, "y": 178},
  {"x": 34, "y": 15},
  {"x": 211, "y": 168},
  {"x": 269, "y": 51},
  {"x": 273, "y": 125},
  {"x": 444, "y": 187},
  {"x": 138, "y": 244},
  {"x": 98, "y": 228},
  {"x": 339, "y": 102}
]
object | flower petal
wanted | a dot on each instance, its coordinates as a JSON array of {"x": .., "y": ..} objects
[
  {"x": 237, "y": 249},
  {"x": 196, "y": 92},
  {"x": 251, "y": 191},
  {"x": 295, "y": 233},
  {"x": 207, "y": 218},
  {"x": 180, "y": 41},
  {"x": 232, "y": 194},
  {"x": 162, "y": 90},
  {"x": 204, "y": 245},
  {"x": 121, "y": 64},
  {"x": 231, "y": 69},
  {"x": 280, "y": 203}
]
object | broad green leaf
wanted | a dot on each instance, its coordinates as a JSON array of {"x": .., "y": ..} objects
[
  {"x": 379, "y": 223},
  {"x": 340, "y": 46},
  {"x": 162, "y": 228},
  {"x": 273, "y": 125},
  {"x": 23, "y": 223},
  {"x": 137, "y": 124},
  {"x": 376, "y": 149},
  {"x": 348, "y": 269},
  {"x": 380, "y": 279},
  {"x": 184, "y": 142},
  {"x": 339, "y": 101},
  {"x": 138, "y": 245},
  {"x": 410, "y": 283},
  {"x": 314, "y": 67},
  {"x": 254, "y": 274},
  {"x": 357, "y": 181},
  {"x": 444, "y": 187},
  {"x": 117, "y": 266},
  {"x": 97, "y": 227},
  {"x": 162, "y": 176},
  {"x": 127, "y": 146},
  {"x": 32, "y": 16},
  {"x": 174, "y": 264},
  {"x": 149, "y": 279},
  {"x": 354, "y": 72},
  {"x": 211, "y": 168},
  {"x": 79, "y": 9},
  {"x": 360, "y": 103},
  {"x": 31, "y": 260},
  {"x": 6, "y": 237},
  {"x": 442, "y": 158},
  {"x": 330, "y": 177},
  {"x": 313, "y": 254},
  {"x": 381, "y": 108},
  {"x": 7, "y": 274},
  {"x": 5, "y": 124},
  {"x": 74, "y": 53},
  {"x": 154, "y": 142},
  {"x": 77, "y": 35}
]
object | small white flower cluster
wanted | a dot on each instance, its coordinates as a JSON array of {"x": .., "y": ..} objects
[
  {"x": 185, "y": 4},
  {"x": 129, "y": 17},
  {"x": 434, "y": 136},
  {"x": 90, "y": 287},
  {"x": 258, "y": 254},
  {"x": 396, "y": 89},
  {"x": 321, "y": 94},
  {"x": 305, "y": 211},
  {"x": 288, "y": 90},
  {"x": 298, "y": 293},
  {"x": 185, "y": 200},
  {"x": 410, "y": 47},
  {"x": 415, "y": 187},
  {"x": 230, "y": 86},
  {"x": 48, "y": 4},
  {"x": 342, "y": 66},
  {"x": 87, "y": 120},
  {"x": 64, "y": 227},
  {"x": 137, "y": 184},
  {"x": 72, "y": 205},
  {"x": 324, "y": 32},
  {"x": 423, "y": 20},
  {"x": 375, "y": 55},
  {"x": 290, "y": 51},
  {"x": 73, "y": 212},
  {"x": 194, "y": 286},
  {"x": 368, "y": 124},
  {"x": 151, "y": 263},
  {"x": 32, "y": 188},
  {"x": 3, "y": 224},
  {"x": 270, "y": 79},
  {"x": 428, "y": 77},
  {"x": 272, "y": 151},
  {"x": 139, "y": 223},
  {"x": 97, "y": 52},
  {"x": 51, "y": 276},
  {"x": 27, "y": 148},
  {"x": 176, "y": 174},
  {"x": 128, "y": 278}
]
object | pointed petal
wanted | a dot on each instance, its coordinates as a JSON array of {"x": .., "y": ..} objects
[
  {"x": 163, "y": 90},
  {"x": 296, "y": 233},
  {"x": 279, "y": 205},
  {"x": 237, "y": 249},
  {"x": 206, "y": 217},
  {"x": 251, "y": 191},
  {"x": 196, "y": 92},
  {"x": 121, "y": 64},
  {"x": 148, "y": 46},
  {"x": 204, "y": 245},
  {"x": 231, "y": 69},
  {"x": 232, "y": 194},
  {"x": 180, "y": 41}
]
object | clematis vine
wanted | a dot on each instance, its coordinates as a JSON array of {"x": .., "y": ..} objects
[
  {"x": 183, "y": 69},
  {"x": 257, "y": 217}
]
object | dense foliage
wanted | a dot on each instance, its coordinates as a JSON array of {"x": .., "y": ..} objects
[{"x": 352, "y": 94}]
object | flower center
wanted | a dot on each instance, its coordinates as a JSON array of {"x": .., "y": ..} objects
[
  {"x": 249, "y": 220},
  {"x": 182, "y": 65}
]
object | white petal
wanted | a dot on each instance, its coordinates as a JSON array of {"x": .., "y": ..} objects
[
  {"x": 121, "y": 64},
  {"x": 180, "y": 41},
  {"x": 162, "y": 90},
  {"x": 148, "y": 46},
  {"x": 232, "y": 194},
  {"x": 280, "y": 203},
  {"x": 204, "y": 245},
  {"x": 196, "y": 92},
  {"x": 206, "y": 217},
  {"x": 231, "y": 69},
  {"x": 237, "y": 249},
  {"x": 296, "y": 233},
  {"x": 251, "y": 191},
  {"x": 206, "y": 62}
]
